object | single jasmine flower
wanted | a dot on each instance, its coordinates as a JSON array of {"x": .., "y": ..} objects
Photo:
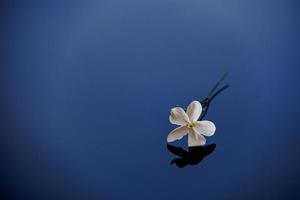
[{"x": 188, "y": 123}]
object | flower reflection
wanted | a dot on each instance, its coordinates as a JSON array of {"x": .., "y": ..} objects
[{"x": 193, "y": 156}]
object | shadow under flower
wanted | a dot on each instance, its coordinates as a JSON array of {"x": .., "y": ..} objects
[{"x": 193, "y": 156}]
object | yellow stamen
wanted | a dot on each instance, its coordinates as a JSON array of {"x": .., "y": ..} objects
[{"x": 190, "y": 125}]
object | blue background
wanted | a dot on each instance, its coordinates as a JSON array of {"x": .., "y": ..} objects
[{"x": 86, "y": 89}]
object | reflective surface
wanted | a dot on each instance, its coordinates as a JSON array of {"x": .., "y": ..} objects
[{"x": 87, "y": 87}]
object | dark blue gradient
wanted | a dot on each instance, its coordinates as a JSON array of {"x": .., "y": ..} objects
[{"x": 87, "y": 86}]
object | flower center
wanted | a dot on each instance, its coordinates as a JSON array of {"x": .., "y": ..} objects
[{"x": 190, "y": 125}]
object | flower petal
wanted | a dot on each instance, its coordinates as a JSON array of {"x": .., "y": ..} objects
[
  {"x": 194, "y": 111},
  {"x": 206, "y": 128},
  {"x": 178, "y": 116},
  {"x": 194, "y": 140},
  {"x": 177, "y": 133}
]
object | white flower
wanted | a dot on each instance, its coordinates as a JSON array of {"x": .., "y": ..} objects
[{"x": 188, "y": 123}]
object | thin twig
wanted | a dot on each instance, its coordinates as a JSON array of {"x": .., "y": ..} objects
[
  {"x": 218, "y": 83},
  {"x": 206, "y": 102}
]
